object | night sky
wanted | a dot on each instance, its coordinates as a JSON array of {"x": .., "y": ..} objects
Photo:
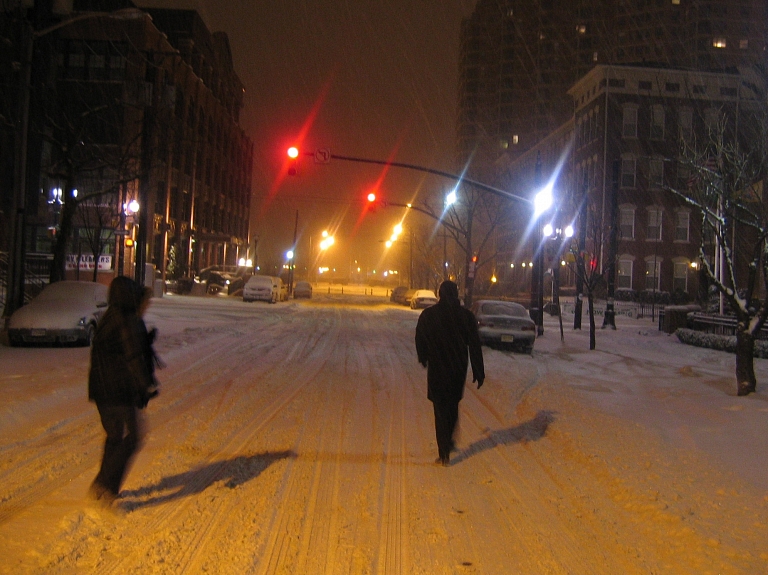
[{"x": 365, "y": 78}]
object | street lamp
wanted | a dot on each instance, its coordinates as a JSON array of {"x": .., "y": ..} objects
[
  {"x": 557, "y": 235},
  {"x": 541, "y": 203}
]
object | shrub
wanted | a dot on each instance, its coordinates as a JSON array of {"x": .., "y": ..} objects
[{"x": 718, "y": 342}]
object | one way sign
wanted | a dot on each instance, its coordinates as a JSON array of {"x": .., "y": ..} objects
[{"x": 322, "y": 155}]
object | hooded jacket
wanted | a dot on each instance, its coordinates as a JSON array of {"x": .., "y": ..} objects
[
  {"x": 446, "y": 338},
  {"x": 119, "y": 373}
]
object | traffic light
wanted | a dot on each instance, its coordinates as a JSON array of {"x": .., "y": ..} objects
[
  {"x": 371, "y": 198},
  {"x": 293, "y": 155}
]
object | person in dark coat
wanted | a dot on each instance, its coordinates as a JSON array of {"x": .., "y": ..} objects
[
  {"x": 120, "y": 383},
  {"x": 446, "y": 334}
]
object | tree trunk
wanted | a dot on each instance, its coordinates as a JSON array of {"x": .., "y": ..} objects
[
  {"x": 591, "y": 308},
  {"x": 745, "y": 361},
  {"x": 68, "y": 209}
]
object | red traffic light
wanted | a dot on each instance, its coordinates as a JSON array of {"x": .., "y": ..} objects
[{"x": 293, "y": 152}]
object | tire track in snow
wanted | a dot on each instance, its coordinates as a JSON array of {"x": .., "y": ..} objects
[
  {"x": 393, "y": 556},
  {"x": 281, "y": 547},
  {"x": 58, "y": 467},
  {"x": 302, "y": 374}
]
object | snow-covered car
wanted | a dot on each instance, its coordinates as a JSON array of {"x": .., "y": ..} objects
[
  {"x": 262, "y": 288},
  {"x": 65, "y": 313},
  {"x": 504, "y": 323},
  {"x": 302, "y": 289},
  {"x": 423, "y": 298}
]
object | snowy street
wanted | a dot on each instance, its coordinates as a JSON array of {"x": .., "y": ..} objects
[{"x": 297, "y": 438}]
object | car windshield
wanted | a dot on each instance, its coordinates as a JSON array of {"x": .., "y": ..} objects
[
  {"x": 69, "y": 292},
  {"x": 503, "y": 309}
]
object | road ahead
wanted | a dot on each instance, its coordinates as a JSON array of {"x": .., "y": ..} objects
[{"x": 296, "y": 438}]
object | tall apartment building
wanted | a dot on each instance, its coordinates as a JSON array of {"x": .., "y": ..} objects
[{"x": 518, "y": 59}]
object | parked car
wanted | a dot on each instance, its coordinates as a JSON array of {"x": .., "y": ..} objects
[
  {"x": 504, "y": 323},
  {"x": 65, "y": 312},
  {"x": 262, "y": 288},
  {"x": 302, "y": 289},
  {"x": 398, "y": 294},
  {"x": 407, "y": 296},
  {"x": 222, "y": 278},
  {"x": 280, "y": 288},
  {"x": 423, "y": 298}
]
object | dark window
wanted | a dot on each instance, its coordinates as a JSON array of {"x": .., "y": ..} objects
[
  {"x": 672, "y": 87},
  {"x": 645, "y": 85}
]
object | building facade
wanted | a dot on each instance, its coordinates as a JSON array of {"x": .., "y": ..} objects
[
  {"x": 615, "y": 162},
  {"x": 137, "y": 107}
]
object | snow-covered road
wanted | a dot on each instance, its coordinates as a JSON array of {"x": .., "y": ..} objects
[{"x": 297, "y": 438}]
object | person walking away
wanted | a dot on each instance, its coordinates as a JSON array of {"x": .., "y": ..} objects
[
  {"x": 120, "y": 384},
  {"x": 446, "y": 334}
]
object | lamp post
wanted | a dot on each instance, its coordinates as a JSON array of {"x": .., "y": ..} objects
[
  {"x": 558, "y": 235},
  {"x": 542, "y": 202},
  {"x": 398, "y": 229}
]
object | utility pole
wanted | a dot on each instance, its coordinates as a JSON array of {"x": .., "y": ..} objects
[
  {"x": 292, "y": 263},
  {"x": 609, "y": 319},
  {"x": 147, "y": 153},
  {"x": 537, "y": 275}
]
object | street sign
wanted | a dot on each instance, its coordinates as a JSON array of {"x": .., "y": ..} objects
[{"x": 322, "y": 155}]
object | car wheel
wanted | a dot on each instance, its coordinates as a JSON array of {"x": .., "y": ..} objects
[{"x": 89, "y": 333}]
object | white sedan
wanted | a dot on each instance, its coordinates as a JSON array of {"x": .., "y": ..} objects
[{"x": 65, "y": 312}]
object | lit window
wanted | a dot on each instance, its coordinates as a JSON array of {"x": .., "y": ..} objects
[
  {"x": 515, "y": 139},
  {"x": 627, "y": 223},
  {"x": 743, "y": 44},
  {"x": 719, "y": 43},
  {"x": 652, "y": 272},
  {"x": 581, "y": 29},
  {"x": 676, "y": 2},
  {"x": 624, "y": 274}
]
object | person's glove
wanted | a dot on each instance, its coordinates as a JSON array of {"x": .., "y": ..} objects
[
  {"x": 479, "y": 381},
  {"x": 146, "y": 397}
]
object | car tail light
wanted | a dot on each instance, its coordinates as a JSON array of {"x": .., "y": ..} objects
[
  {"x": 528, "y": 328},
  {"x": 484, "y": 323}
]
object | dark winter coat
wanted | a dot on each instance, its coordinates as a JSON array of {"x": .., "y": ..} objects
[
  {"x": 119, "y": 373},
  {"x": 445, "y": 334}
]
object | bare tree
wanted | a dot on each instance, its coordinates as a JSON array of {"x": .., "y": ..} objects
[
  {"x": 728, "y": 170},
  {"x": 584, "y": 261},
  {"x": 87, "y": 141},
  {"x": 96, "y": 216}
]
